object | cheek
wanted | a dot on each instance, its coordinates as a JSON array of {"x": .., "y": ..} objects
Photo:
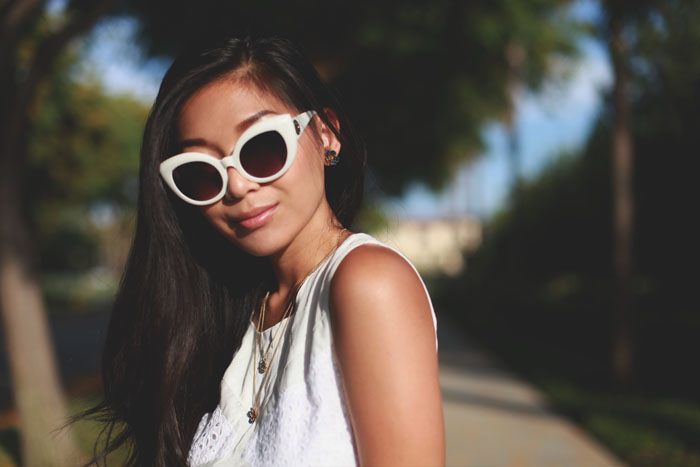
[
  {"x": 208, "y": 212},
  {"x": 212, "y": 215},
  {"x": 302, "y": 187},
  {"x": 309, "y": 165}
]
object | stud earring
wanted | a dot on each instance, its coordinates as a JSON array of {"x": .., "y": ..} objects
[{"x": 332, "y": 157}]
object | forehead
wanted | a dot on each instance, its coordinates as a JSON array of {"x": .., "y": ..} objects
[{"x": 219, "y": 108}]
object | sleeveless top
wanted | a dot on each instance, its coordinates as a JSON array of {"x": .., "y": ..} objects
[{"x": 303, "y": 417}]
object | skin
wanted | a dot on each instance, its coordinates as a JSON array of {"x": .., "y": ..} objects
[{"x": 380, "y": 314}]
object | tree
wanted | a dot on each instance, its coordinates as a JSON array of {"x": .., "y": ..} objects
[
  {"x": 623, "y": 201},
  {"x": 443, "y": 60},
  {"x": 82, "y": 160},
  {"x": 435, "y": 71},
  {"x": 622, "y": 18},
  {"x": 29, "y": 45},
  {"x": 563, "y": 295}
]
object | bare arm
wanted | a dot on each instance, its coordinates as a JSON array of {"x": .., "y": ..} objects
[{"x": 385, "y": 344}]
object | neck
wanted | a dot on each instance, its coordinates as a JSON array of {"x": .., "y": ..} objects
[{"x": 294, "y": 263}]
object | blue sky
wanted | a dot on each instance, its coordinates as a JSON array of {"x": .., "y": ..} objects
[{"x": 557, "y": 118}]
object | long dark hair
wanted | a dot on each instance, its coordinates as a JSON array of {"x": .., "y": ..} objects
[{"x": 187, "y": 294}]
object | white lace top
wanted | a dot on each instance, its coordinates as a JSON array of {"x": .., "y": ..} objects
[{"x": 303, "y": 417}]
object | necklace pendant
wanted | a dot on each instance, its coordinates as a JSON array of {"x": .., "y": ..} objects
[
  {"x": 263, "y": 365},
  {"x": 252, "y": 415}
]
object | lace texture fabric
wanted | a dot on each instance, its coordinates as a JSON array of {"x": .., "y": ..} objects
[
  {"x": 211, "y": 439},
  {"x": 310, "y": 425}
]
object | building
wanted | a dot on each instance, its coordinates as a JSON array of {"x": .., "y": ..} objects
[{"x": 434, "y": 246}]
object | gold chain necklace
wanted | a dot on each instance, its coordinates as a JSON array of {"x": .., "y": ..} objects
[
  {"x": 264, "y": 364},
  {"x": 255, "y": 409}
]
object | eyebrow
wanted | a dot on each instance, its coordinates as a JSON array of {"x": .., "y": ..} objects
[
  {"x": 201, "y": 142},
  {"x": 242, "y": 126},
  {"x": 253, "y": 118}
]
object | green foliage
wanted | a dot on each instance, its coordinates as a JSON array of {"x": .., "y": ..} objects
[
  {"x": 540, "y": 290},
  {"x": 418, "y": 78},
  {"x": 371, "y": 218},
  {"x": 438, "y": 73},
  {"x": 644, "y": 431},
  {"x": 85, "y": 144},
  {"x": 87, "y": 432},
  {"x": 83, "y": 157},
  {"x": 545, "y": 269}
]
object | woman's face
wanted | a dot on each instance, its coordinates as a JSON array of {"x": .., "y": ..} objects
[{"x": 261, "y": 219}]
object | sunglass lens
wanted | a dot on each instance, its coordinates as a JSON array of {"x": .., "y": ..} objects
[
  {"x": 264, "y": 155},
  {"x": 198, "y": 180}
]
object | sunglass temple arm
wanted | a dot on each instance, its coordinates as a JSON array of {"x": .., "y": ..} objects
[{"x": 303, "y": 120}]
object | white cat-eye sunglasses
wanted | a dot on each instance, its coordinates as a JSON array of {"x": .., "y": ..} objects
[{"x": 263, "y": 153}]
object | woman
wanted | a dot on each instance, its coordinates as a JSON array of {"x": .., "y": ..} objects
[{"x": 251, "y": 326}]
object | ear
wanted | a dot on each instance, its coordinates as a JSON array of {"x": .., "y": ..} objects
[{"x": 328, "y": 138}]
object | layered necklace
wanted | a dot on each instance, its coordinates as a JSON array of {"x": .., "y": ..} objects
[{"x": 264, "y": 364}]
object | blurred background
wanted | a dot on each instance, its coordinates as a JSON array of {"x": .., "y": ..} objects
[{"x": 532, "y": 157}]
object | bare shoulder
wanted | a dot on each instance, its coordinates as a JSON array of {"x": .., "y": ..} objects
[
  {"x": 380, "y": 314},
  {"x": 377, "y": 294},
  {"x": 378, "y": 274}
]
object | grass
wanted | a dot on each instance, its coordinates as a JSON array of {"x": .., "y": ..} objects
[
  {"x": 85, "y": 433},
  {"x": 642, "y": 430},
  {"x": 7, "y": 458}
]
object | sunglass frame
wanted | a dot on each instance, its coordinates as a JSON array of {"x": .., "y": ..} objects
[{"x": 290, "y": 128}]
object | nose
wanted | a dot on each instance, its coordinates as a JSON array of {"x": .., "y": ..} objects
[{"x": 238, "y": 185}]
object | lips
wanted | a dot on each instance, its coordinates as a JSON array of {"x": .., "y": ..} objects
[{"x": 255, "y": 217}]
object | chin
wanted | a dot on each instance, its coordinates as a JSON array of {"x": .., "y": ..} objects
[
  {"x": 256, "y": 242},
  {"x": 256, "y": 249}
]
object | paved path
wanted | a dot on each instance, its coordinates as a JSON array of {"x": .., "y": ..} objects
[{"x": 493, "y": 419}]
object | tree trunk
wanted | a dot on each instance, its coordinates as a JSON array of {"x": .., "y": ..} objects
[
  {"x": 515, "y": 57},
  {"x": 35, "y": 381},
  {"x": 38, "y": 395},
  {"x": 623, "y": 213}
]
